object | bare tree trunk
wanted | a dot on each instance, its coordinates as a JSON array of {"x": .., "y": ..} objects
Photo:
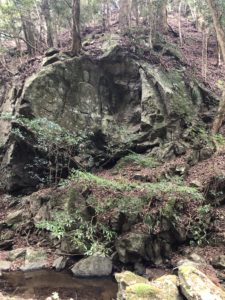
[
  {"x": 180, "y": 31},
  {"x": 161, "y": 23},
  {"x": 205, "y": 36},
  {"x": 125, "y": 14},
  {"x": 48, "y": 20},
  {"x": 220, "y": 33},
  {"x": 219, "y": 59},
  {"x": 28, "y": 30},
  {"x": 76, "y": 39},
  {"x": 220, "y": 115},
  {"x": 104, "y": 15},
  {"x": 135, "y": 10},
  {"x": 151, "y": 22}
]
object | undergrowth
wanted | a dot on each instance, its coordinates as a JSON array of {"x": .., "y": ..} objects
[
  {"x": 147, "y": 161},
  {"x": 145, "y": 203}
]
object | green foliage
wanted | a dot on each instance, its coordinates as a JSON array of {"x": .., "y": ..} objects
[
  {"x": 89, "y": 178},
  {"x": 50, "y": 134},
  {"x": 219, "y": 139},
  {"x": 58, "y": 225},
  {"x": 90, "y": 10},
  {"x": 129, "y": 205},
  {"x": 174, "y": 186},
  {"x": 88, "y": 236},
  {"x": 139, "y": 159},
  {"x": 169, "y": 209},
  {"x": 200, "y": 225},
  {"x": 7, "y": 116}
]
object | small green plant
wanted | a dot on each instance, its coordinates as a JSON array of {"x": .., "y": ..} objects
[
  {"x": 60, "y": 222},
  {"x": 139, "y": 159},
  {"x": 219, "y": 139},
  {"x": 100, "y": 181},
  {"x": 7, "y": 116},
  {"x": 89, "y": 237},
  {"x": 200, "y": 226}
]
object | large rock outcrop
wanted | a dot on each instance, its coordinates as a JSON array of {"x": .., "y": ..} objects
[{"x": 118, "y": 101}]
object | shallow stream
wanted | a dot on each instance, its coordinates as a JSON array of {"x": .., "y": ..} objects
[{"x": 41, "y": 284}]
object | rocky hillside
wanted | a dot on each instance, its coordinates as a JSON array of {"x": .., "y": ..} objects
[{"x": 111, "y": 155}]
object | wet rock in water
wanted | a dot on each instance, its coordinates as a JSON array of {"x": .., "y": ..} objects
[
  {"x": 93, "y": 266},
  {"x": 60, "y": 263},
  {"x": 14, "y": 217},
  {"x": 17, "y": 253},
  {"x": 134, "y": 287},
  {"x": 5, "y": 265},
  {"x": 219, "y": 262},
  {"x": 195, "y": 284},
  {"x": 34, "y": 260}
]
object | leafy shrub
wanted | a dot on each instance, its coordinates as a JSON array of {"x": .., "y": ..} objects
[
  {"x": 88, "y": 236},
  {"x": 200, "y": 225}
]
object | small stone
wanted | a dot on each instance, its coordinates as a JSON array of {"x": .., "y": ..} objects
[
  {"x": 33, "y": 266},
  {"x": 14, "y": 217},
  {"x": 219, "y": 262},
  {"x": 34, "y": 260},
  {"x": 5, "y": 265},
  {"x": 197, "y": 184},
  {"x": 60, "y": 263},
  {"x": 93, "y": 266},
  {"x": 17, "y": 253},
  {"x": 196, "y": 258}
]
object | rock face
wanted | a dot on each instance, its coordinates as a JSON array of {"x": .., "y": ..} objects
[
  {"x": 192, "y": 283},
  {"x": 116, "y": 100},
  {"x": 196, "y": 285},
  {"x": 93, "y": 266},
  {"x": 134, "y": 287}
]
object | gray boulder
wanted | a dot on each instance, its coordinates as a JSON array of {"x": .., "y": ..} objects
[
  {"x": 93, "y": 266},
  {"x": 34, "y": 260}
]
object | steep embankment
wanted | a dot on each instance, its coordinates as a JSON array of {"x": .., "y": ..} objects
[{"x": 134, "y": 122}]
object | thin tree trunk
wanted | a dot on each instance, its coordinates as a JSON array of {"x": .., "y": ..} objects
[
  {"x": 220, "y": 33},
  {"x": 205, "y": 36},
  {"x": 76, "y": 40},
  {"x": 48, "y": 20},
  {"x": 29, "y": 35},
  {"x": 220, "y": 115},
  {"x": 125, "y": 14},
  {"x": 180, "y": 30},
  {"x": 161, "y": 23}
]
